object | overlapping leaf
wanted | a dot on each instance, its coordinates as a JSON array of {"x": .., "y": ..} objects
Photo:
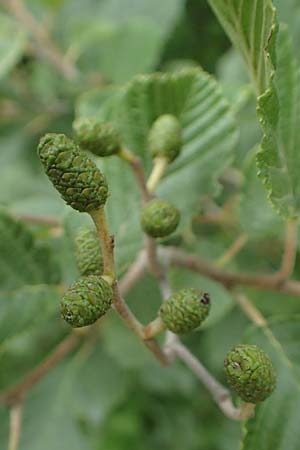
[
  {"x": 209, "y": 131},
  {"x": 250, "y": 25},
  {"x": 279, "y": 113},
  {"x": 23, "y": 260}
]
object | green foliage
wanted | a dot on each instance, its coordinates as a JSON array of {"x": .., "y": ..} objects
[
  {"x": 129, "y": 63},
  {"x": 250, "y": 25},
  {"x": 13, "y": 42},
  {"x": 24, "y": 259},
  {"x": 208, "y": 129},
  {"x": 278, "y": 109}
]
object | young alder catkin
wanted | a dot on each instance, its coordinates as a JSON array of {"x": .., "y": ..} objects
[
  {"x": 250, "y": 373},
  {"x": 88, "y": 253},
  {"x": 185, "y": 310},
  {"x": 164, "y": 138},
  {"x": 97, "y": 136},
  {"x": 159, "y": 218},
  {"x": 86, "y": 301},
  {"x": 73, "y": 173}
]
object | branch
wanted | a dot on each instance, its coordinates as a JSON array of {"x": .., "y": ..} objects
[
  {"x": 159, "y": 168},
  {"x": 16, "y": 413},
  {"x": 106, "y": 241},
  {"x": 251, "y": 312},
  {"x": 138, "y": 170},
  {"x": 219, "y": 393},
  {"x": 230, "y": 279},
  {"x": 233, "y": 250},
  {"x": 39, "y": 220},
  {"x": 16, "y": 393},
  {"x": 44, "y": 46},
  {"x": 107, "y": 246},
  {"x": 134, "y": 273},
  {"x": 12, "y": 395}
]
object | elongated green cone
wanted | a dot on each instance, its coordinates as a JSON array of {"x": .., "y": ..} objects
[
  {"x": 88, "y": 252},
  {"x": 96, "y": 136},
  {"x": 185, "y": 310},
  {"x": 86, "y": 301},
  {"x": 73, "y": 174},
  {"x": 250, "y": 373},
  {"x": 164, "y": 137},
  {"x": 159, "y": 218}
]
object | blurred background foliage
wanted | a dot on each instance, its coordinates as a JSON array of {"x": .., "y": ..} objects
[{"x": 71, "y": 58}]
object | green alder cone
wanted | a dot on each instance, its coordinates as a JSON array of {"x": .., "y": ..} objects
[
  {"x": 164, "y": 137},
  {"x": 185, "y": 310},
  {"x": 98, "y": 137},
  {"x": 86, "y": 301},
  {"x": 159, "y": 218},
  {"x": 250, "y": 373},
  {"x": 88, "y": 252},
  {"x": 73, "y": 174}
]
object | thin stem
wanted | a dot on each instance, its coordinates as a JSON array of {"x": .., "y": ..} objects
[
  {"x": 159, "y": 168},
  {"x": 233, "y": 250},
  {"x": 39, "y": 220},
  {"x": 16, "y": 413},
  {"x": 229, "y": 279},
  {"x": 106, "y": 241},
  {"x": 249, "y": 309},
  {"x": 136, "y": 165},
  {"x": 153, "y": 262},
  {"x": 154, "y": 328},
  {"x": 290, "y": 251},
  {"x": 107, "y": 245},
  {"x": 131, "y": 321},
  {"x": 44, "y": 46},
  {"x": 219, "y": 393}
]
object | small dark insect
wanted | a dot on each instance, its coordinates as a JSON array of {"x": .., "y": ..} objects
[{"x": 205, "y": 298}]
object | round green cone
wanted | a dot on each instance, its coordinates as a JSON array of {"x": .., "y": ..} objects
[
  {"x": 73, "y": 174},
  {"x": 159, "y": 218},
  {"x": 185, "y": 310},
  {"x": 164, "y": 137},
  {"x": 96, "y": 136},
  {"x": 88, "y": 252},
  {"x": 250, "y": 373},
  {"x": 86, "y": 301}
]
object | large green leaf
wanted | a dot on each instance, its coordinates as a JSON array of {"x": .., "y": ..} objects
[
  {"x": 12, "y": 44},
  {"x": 256, "y": 215},
  {"x": 276, "y": 422},
  {"x": 23, "y": 260},
  {"x": 22, "y": 310},
  {"x": 279, "y": 113},
  {"x": 71, "y": 399},
  {"x": 250, "y": 25},
  {"x": 209, "y": 132}
]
